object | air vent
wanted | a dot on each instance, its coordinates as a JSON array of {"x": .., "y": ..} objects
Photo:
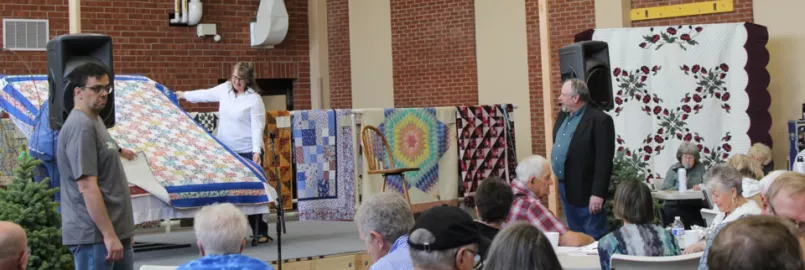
[{"x": 25, "y": 35}]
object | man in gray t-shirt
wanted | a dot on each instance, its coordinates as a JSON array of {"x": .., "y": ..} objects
[{"x": 97, "y": 218}]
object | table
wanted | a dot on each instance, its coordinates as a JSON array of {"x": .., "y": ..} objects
[
  {"x": 673, "y": 195},
  {"x": 579, "y": 262}
]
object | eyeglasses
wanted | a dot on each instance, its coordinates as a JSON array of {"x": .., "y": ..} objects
[
  {"x": 799, "y": 224},
  {"x": 98, "y": 88},
  {"x": 236, "y": 78}
]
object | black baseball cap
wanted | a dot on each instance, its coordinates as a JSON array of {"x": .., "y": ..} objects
[{"x": 452, "y": 228}]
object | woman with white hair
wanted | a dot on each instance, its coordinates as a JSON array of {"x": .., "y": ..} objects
[
  {"x": 762, "y": 154},
  {"x": 724, "y": 184}
]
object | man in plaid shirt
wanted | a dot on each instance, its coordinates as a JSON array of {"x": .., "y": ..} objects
[{"x": 534, "y": 179}]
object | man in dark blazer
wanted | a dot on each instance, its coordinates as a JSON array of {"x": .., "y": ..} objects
[{"x": 583, "y": 149}]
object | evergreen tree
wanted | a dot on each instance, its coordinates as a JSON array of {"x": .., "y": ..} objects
[{"x": 31, "y": 205}]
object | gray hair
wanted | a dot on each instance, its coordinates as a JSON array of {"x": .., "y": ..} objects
[
  {"x": 387, "y": 214},
  {"x": 434, "y": 259},
  {"x": 579, "y": 88},
  {"x": 221, "y": 228},
  {"x": 521, "y": 246},
  {"x": 724, "y": 177},
  {"x": 530, "y": 167},
  {"x": 688, "y": 148}
]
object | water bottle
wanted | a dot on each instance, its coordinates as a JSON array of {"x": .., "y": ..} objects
[
  {"x": 678, "y": 230},
  {"x": 799, "y": 166},
  {"x": 682, "y": 176}
]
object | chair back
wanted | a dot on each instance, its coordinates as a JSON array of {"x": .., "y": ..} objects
[
  {"x": 708, "y": 215},
  {"x": 376, "y": 149},
  {"x": 681, "y": 262}
]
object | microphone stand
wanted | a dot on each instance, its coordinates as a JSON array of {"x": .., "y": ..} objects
[{"x": 278, "y": 201}]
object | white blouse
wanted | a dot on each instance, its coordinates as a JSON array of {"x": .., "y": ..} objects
[
  {"x": 241, "y": 119},
  {"x": 748, "y": 208}
]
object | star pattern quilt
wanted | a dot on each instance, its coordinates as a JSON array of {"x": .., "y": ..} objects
[
  {"x": 208, "y": 120},
  {"x": 191, "y": 165},
  {"x": 705, "y": 84},
  {"x": 325, "y": 166},
  {"x": 423, "y": 138},
  {"x": 484, "y": 148}
]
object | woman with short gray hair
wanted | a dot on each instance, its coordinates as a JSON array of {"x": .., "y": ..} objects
[
  {"x": 521, "y": 246},
  {"x": 725, "y": 187},
  {"x": 688, "y": 158}
]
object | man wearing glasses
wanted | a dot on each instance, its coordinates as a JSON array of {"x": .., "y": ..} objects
[
  {"x": 14, "y": 250},
  {"x": 784, "y": 198},
  {"x": 96, "y": 212}
]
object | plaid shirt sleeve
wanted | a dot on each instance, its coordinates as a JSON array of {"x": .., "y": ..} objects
[{"x": 526, "y": 209}]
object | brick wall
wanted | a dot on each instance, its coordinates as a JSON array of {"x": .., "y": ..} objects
[
  {"x": 742, "y": 13},
  {"x": 174, "y": 56},
  {"x": 567, "y": 17},
  {"x": 433, "y": 51},
  {"x": 338, "y": 39}
]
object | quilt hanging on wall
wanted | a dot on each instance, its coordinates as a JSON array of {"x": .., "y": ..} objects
[
  {"x": 279, "y": 123},
  {"x": 190, "y": 167},
  {"x": 485, "y": 146},
  {"x": 705, "y": 84},
  {"x": 325, "y": 164},
  {"x": 423, "y": 138}
]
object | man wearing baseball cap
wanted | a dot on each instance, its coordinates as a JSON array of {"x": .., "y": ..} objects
[{"x": 445, "y": 237}]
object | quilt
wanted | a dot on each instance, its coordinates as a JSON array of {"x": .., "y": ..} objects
[
  {"x": 207, "y": 120},
  {"x": 485, "y": 146},
  {"x": 188, "y": 163},
  {"x": 705, "y": 84},
  {"x": 423, "y": 138},
  {"x": 10, "y": 145},
  {"x": 279, "y": 124},
  {"x": 325, "y": 165}
]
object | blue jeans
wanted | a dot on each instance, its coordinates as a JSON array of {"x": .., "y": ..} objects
[
  {"x": 579, "y": 218},
  {"x": 93, "y": 256}
]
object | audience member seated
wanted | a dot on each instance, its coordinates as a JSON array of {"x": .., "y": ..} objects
[
  {"x": 751, "y": 172},
  {"x": 762, "y": 154},
  {"x": 383, "y": 223},
  {"x": 493, "y": 200},
  {"x": 221, "y": 230},
  {"x": 756, "y": 242},
  {"x": 534, "y": 180},
  {"x": 784, "y": 198},
  {"x": 689, "y": 158},
  {"x": 445, "y": 238},
  {"x": 13, "y": 247},
  {"x": 521, "y": 246},
  {"x": 638, "y": 236},
  {"x": 725, "y": 188}
]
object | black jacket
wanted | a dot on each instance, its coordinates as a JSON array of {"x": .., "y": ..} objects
[{"x": 588, "y": 167}]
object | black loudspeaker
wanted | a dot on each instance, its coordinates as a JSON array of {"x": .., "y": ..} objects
[
  {"x": 65, "y": 53},
  {"x": 589, "y": 61}
]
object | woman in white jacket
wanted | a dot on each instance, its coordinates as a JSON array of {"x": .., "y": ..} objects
[{"x": 242, "y": 119}]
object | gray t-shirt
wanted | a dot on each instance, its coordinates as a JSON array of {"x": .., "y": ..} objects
[{"x": 87, "y": 149}]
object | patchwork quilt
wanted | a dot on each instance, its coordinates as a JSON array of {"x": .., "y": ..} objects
[
  {"x": 192, "y": 166},
  {"x": 208, "y": 120},
  {"x": 485, "y": 146},
  {"x": 325, "y": 165},
  {"x": 279, "y": 124},
  {"x": 705, "y": 84}
]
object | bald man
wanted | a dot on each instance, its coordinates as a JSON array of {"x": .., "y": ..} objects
[{"x": 13, "y": 246}]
